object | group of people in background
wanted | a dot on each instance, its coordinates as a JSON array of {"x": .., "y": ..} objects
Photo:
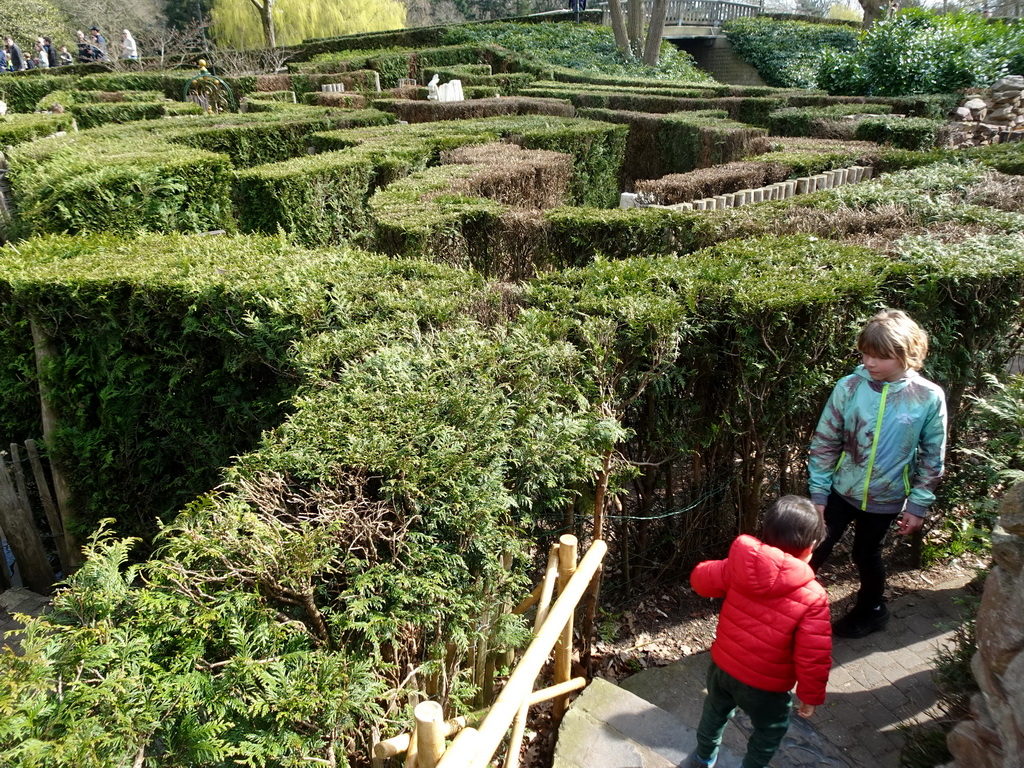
[{"x": 43, "y": 54}]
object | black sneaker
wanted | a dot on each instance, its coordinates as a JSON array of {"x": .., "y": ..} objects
[{"x": 860, "y": 622}]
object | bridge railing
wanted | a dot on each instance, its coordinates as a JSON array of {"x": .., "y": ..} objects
[{"x": 710, "y": 12}]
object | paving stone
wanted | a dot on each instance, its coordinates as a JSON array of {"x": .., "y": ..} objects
[{"x": 878, "y": 683}]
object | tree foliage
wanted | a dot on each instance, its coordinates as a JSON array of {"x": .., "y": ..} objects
[
  {"x": 918, "y": 51},
  {"x": 25, "y": 20},
  {"x": 237, "y": 23}
]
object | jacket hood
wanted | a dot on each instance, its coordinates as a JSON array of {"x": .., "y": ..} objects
[
  {"x": 893, "y": 385},
  {"x": 760, "y": 569}
]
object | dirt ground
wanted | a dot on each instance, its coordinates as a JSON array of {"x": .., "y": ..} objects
[{"x": 670, "y": 621}]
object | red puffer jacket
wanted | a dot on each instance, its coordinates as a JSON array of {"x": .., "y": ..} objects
[{"x": 774, "y": 628}]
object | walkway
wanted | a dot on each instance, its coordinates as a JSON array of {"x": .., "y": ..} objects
[{"x": 878, "y": 684}]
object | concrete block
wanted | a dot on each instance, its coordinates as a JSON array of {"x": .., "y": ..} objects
[
  {"x": 869, "y": 172},
  {"x": 699, "y": 205},
  {"x": 803, "y": 186},
  {"x": 627, "y": 200},
  {"x": 758, "y": 195},
  {"x": 719, "y": 202}
]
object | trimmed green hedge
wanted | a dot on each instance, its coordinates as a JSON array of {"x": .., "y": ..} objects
[
  {"x": 915, "y": 133},
  {"x": 15, "y": 129},
  {"x": 677, "y": 142},
  {"x": 23, "y": 93},
  {"x": 119, "y": 185},
  {"x": 801, "y": 121}
]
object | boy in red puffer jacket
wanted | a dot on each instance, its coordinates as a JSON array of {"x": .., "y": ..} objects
[{"x": 773, "y": 631}]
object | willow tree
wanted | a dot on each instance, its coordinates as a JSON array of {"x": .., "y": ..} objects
[
  {"x": 628, "y": 27},
  {"x": 255, "y": 23}
]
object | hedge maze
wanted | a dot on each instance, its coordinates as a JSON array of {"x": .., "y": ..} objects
[{"x": 343, "y": 428}]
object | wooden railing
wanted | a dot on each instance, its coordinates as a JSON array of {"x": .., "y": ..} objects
[
  {"x": 474, "y": 747},
  {"x": 710, "y": 12}
]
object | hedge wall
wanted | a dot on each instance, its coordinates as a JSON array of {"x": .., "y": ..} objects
[{"x": 14, "y": 129}]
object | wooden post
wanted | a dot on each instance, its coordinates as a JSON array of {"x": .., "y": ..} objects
[
  {"x": 590, "y": 600},
  {"x": 16, "y": 520},
  {"x": 563, "y": 650},
  {"x": 49, "y": 507},
  {"x": 479, "y": 746},
  {"x": 45, "y": 352},
  {"x": 547, "y": 588},
  {"x": 430, "y": 732}
]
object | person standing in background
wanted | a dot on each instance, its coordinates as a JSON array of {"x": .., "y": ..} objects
[
  {"x": 99, "y": 44},
  {"x": 42, "y": 57},
  {"x": 129, "y": 50},
  {"x": 17, "y": 61}
]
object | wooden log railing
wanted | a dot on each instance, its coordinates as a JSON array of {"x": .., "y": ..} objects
[{"x": 473, "y": 747}]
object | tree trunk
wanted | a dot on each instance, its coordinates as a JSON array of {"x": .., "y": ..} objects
[
  {"x": 873, "y": 11},
  {"x": 619, "y": 26},
  {"x": 635, "y": 26},
  {"x": 654, "y": 32},
  {"x": 266, "y": 11},
  {"x": 45, "y": 353}
]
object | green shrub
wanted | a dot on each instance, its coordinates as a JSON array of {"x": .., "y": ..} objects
[
  {"x": 800, "y": 121},
  {"x": 581, "y": 47},
  {"x": 320, "y": 199},
  {"x": 22, "y": 93},
  {"x": 275, "y": 139},
  {"x": 92, "y": 115},
  {"x": 916, "y": 133},
  {"x": 677, "y": 142},
  {"x": 15, "y": 129},
  {"x": 920, "y": 52},
  {"x": 787, "y": 53},
  {"x": 118, "y": 186}
]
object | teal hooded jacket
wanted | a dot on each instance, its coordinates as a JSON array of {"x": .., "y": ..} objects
[{"x": 881, "y": 445}]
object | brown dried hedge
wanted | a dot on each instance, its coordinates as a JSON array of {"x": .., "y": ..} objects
[
  {"x": 707, "y": 182},
  {"x": 517, "y": 177}
]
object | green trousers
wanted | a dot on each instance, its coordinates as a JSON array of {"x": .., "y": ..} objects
[{"x": 767, "y": 710}]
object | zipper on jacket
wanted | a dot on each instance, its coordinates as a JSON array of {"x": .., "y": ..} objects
[{"x": 874, "y": 447}]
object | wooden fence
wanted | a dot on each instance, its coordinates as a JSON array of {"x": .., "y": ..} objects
[
  {"x": 26, "y": 499},
  {"x": 473, "y": 747}
]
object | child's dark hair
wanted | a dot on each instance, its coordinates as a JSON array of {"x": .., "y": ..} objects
[{"x": 793, "y": 525}]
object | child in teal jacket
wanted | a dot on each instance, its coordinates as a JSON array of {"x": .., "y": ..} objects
[{"x": 877, "y": 455}]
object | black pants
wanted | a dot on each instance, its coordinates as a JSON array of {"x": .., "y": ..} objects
[{"x": 868, "y": 539}]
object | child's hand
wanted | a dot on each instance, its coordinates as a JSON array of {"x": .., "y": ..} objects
[
  {"x": 909, "y": 523},
  {"x": 805, "y": 710},
  {"x": 820, "y": 508}
]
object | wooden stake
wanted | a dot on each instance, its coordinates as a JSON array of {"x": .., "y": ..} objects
[
  {"x": 563, "y": 650},
  {"x": 546, "y": 590},
  {"x": 23, "y": 537},
  {"x": 49, "y": 507},
  {"x": 45, "y": 353},
  {"x": 430, "y": 732},
  {"x": 479, "y": 746}
]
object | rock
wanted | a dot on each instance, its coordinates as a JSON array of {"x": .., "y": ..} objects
[
  {"x": 1007, "y": 550},
  {"x": 1000, "y": 625},
  {"x": 971, "y": 744},
  {"x": 962, "y": 113},
  {"x": 1010, "y": 81},
  {"x": 975, "y": 104},
  {"x": 1011, "y": 511}
]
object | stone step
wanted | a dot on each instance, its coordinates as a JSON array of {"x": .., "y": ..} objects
[
  {"x": 609, "y": 727},
  {"x": 679, "y": 690}
]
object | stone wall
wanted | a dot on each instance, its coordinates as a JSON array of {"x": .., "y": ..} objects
[
  {"x": 717, "y": 57},
  {"x": 994, "y": 738},
  {"x": 992, "y": 117}
]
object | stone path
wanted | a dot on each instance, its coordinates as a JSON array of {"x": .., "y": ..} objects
[
  {"x": 878, "y": 684},
  {"x": 18, "y": 600}
]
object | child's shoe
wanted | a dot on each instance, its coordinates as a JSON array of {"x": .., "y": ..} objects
[
  {"x": 860, "y": 622},
  {"x": 696, "y": 762}
]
